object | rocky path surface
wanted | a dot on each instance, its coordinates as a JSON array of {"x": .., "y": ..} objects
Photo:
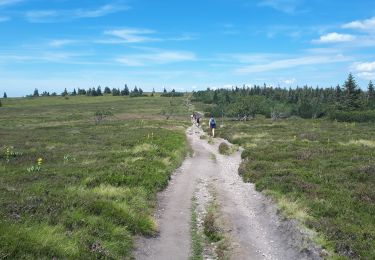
[{"x": 254, "y": 229}]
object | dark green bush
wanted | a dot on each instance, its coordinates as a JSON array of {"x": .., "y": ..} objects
[{"x": 353, "y": 116}]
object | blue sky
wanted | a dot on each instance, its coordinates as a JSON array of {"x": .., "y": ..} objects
[{"x": 186, "y": 45}]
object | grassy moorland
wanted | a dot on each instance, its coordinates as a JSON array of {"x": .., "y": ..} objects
[
  {"x": 95, "y": 185},
  {"x": 321, "y": 172}
]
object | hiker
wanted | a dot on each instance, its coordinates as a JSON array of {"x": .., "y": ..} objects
[
  {"x": 212, "y": 124},
  {"x": 198, "y": 120}
]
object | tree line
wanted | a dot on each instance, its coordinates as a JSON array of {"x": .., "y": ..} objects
[
  {"x": 135, "y": 92},
  {"x": 340, "y": 102}
]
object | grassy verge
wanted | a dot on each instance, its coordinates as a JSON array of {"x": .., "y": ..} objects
[
  {"x": 321, "y": 172},
  {"x": 96, "y": 183},
  {"x": 213, "y": 230},
  {"x": 196, "y": 237}
]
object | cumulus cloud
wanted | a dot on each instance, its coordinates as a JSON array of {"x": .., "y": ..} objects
[
  {"x": 365, "y": 25},
  {"x": 365, "y": 66},
  {"x": 335, "y": 37},
  {"x": 364, "y": 70}
]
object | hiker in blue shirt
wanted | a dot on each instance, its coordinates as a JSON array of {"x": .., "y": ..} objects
[{"x": 212, "y": 124}]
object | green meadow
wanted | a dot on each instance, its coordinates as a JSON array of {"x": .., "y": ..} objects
[
  {"x": 103, "y": 159},
  {"x": 95, "y": 184},
  {"x": 320, "y": 172}
]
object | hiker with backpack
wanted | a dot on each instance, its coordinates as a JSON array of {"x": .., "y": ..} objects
[{"x": 212, "y": 124}]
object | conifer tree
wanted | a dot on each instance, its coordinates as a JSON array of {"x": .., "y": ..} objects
[
  {"x": 5, "y": 95},
  {"x": 99, "y": 91},
  {"x": 351, "y": 95},
  {"x": 93, "y": 92},
  {"x": 126, "y": 91},
  {"x": 65, "y": 93},
  {"x": 107, "y": 90},
  {"x": 371, "y": 94},
  {"x": 36, "y": 93}
]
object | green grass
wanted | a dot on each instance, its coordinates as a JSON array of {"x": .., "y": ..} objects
[
  {"x": 97, "y": 184},
  {"x": 321, "y": 172},
  {"x": 196, "y": 237},
  {"x": 224, "y": 148}
]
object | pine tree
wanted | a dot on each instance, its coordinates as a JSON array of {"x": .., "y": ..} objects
[
  {"x": 65, "y": 93},
  {"x": 126, "y": 90},
  {"x": 5, "y": 95},
  {"x": 140, "y": 91},
  {"x": 107, "y": 90},
  {"x": 153, "y": 92},
  {"x": 351, "y": 95},
  {"x": 74, "y": 92},
  {"x": 99, "y": 91},
  {"x": 36, "y": 93},
  {"x": 338, "y": 93},
  {"x": 135, "y": 90},
  {"x": 164, "y": 91},
  {"x": 93, "y": 92},
  {"x": 371, "y": 94}
]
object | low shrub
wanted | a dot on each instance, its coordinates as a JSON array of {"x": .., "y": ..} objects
[
  {"x": 353, "y": 116},
  {"x": 224, "y": 148}
]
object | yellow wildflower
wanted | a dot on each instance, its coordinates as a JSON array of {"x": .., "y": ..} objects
[{"x": 40, "y": 161}]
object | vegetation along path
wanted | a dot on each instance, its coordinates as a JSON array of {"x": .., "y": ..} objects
[{"x": 248, "y": 219}]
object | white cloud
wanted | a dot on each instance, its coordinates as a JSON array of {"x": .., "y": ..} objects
[
  {"x": 132, "y": 35},
  {"x": 366, "y": 75},
  {"x": 286, "y": 6},
  {"x": 289, "y": 81},
  {"x": 364, "y": 66},
  {"x": 60, "y": 42},
  {"x": 160, "y": 57},
  {"x": 139, "y": 35},
  {"x": 101, "y": 11},
  {"x": 366, "y": 25},
  {"x": 335, "y": 37},
  {"x": 364, "y": 70},
  {"x": 290, "y": 63},
  {"x": 46, "y": 16},
  {"x": 46, "y": 57}
]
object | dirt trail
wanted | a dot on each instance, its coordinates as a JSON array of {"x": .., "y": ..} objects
[{"x": 251, "y": 222}]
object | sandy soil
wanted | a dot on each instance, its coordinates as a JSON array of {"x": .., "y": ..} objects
[{"x": 251, "y": 222}]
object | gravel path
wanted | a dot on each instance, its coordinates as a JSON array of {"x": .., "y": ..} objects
[{"x": 251, "y": 222}]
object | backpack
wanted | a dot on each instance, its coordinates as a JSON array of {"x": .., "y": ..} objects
[{"x": 212, "y": 121}]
